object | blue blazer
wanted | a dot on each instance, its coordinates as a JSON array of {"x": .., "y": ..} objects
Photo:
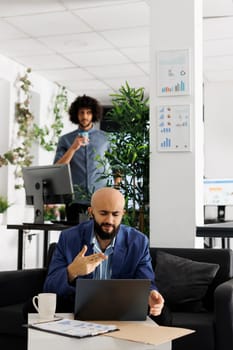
[{"x": 131, "y": 257}]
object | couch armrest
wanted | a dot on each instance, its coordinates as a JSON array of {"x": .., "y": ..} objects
[
  {"x": 20, "y": 285},
  {"x": 223, "y": 303}
]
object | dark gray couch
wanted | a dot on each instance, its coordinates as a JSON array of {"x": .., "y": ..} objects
[
  {"x": 16, "y": 288},
  {"x": 214, "y": 326},
  {"x": 214, "y": 322}
]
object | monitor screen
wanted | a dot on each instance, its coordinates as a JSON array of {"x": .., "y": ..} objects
[
  {"x": 47, "y": 184},
  {"x": 218, "y": 192}
]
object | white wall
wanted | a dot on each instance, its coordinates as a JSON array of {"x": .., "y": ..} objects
[
  {"x": 43, "y": 94},
  {"x": 4, "y": 126},
  {"x": 176, "y": 177},
  {"x": 218, "y": 116},
  {"x": 218, "y": 148}
]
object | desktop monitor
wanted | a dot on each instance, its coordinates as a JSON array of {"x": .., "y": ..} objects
[
  {"x": 47, "y": 184},
  {"x": 219, "y": 193}
]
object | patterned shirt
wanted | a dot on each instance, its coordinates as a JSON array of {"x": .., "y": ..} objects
[{"x": 104, "y": 270}]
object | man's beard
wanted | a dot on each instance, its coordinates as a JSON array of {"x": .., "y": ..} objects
[
  {"x": 101, "y": 233},
  {"x": 85, "y": 124}
]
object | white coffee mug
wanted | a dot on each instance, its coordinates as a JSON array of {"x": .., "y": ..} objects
[{"x": 45, "y": 304}]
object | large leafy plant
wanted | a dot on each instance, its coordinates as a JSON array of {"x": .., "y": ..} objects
[{"x": 129, "y": 156}]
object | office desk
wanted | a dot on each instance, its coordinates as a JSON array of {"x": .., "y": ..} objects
[
  {"x": 34, "y": 227},
  {"x": 38, "y": 340},
  {"x": 223, "y": 230}
]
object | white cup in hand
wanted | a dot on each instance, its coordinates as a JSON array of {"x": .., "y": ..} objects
[
  {"x": 45, "y": 305},
  {"x": 84, "y": 135}
]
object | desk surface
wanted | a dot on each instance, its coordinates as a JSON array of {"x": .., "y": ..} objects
[
  {"x": 43, "y": 227},
  {"x": 224, "y": 229},
  {"x": 38, "y": 340}
]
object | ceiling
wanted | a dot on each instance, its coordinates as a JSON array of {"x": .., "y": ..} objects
[{"x": 94, "y": 46}]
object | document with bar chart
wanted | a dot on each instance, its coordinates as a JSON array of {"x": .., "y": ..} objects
[
  {"x": 173, "y": 128},
  {"x": 173, "y": 72}
]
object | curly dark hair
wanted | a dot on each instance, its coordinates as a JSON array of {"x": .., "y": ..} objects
[{"x": 85, "y": 102}]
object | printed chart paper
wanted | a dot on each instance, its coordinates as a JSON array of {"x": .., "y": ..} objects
[
  {"x": 173, "y": 72},
  {"x": 173, "y": 128}
]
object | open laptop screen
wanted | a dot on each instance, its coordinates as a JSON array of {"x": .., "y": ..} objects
[{"x": 114, "y": 299}]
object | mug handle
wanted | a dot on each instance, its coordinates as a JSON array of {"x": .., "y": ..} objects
[{"x": 34, "y": 300}]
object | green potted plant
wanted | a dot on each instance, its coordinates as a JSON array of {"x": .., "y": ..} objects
[
  {"x": 4, "y": 205},
  {"x": 62, "y": 212},
  {"x": 129, "y": 156}
]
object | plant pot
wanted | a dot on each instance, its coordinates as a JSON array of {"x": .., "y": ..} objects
[{"x": 2, "y": 218}]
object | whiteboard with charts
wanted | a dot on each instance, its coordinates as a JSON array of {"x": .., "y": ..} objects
[{"x": 173, "y": 128}]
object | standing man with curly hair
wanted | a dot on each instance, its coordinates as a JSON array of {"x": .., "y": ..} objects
[{"x": 79, "y": 148}]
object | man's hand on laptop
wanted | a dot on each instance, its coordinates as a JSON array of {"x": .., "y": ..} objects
[
  {"x": 83, "y": 265},
  {"x": 156, "y": 303}
]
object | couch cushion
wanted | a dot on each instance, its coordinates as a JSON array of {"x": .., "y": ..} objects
[
  {"x": 183, "y": 282},
  {"x": 202, "y": 323},
  {"x": 11, "y": 320}
]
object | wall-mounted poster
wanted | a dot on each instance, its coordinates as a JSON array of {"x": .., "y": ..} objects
[
  {"x": 173, "y": 72},
  {"x": 173, "y": 128}
]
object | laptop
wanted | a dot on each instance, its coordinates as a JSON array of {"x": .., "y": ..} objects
[{"x": 111, "y": 300}]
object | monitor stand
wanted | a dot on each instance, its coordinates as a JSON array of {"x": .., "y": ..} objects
[
  {"x": 221, "y": 213},
  {"x": 39, "y": 202},
  {"x": 220, "y": 217},
  {"x": 38, "y": 212}
]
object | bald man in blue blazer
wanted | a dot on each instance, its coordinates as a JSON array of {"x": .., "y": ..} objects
[{"x": 102, "y": 248}]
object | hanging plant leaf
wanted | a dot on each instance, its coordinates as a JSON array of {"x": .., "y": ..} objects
[{"x": 28, "y": 132}]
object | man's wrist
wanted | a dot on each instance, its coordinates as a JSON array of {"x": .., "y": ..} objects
[{"x": 71, "y": 273}]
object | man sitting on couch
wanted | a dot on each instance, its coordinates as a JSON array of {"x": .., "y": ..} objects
[{"x": 101, "y": 248}]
